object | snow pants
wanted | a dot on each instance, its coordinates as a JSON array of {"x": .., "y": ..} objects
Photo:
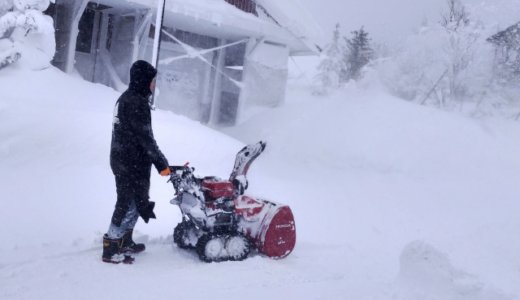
[
  {"x": 132, "y": 193},
  {"x": 128, "y": 223},
  {"x": 134, "y": 187}
]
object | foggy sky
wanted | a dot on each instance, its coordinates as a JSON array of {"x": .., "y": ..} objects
[
  {"x": 391, "y": 21},
  {"x": 385, "y": 20}
]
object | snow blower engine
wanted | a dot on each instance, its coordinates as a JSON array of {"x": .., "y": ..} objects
[{"x": 221, "y": 223}]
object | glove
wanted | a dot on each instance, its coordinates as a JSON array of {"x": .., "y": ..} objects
[
  {"x": 165, "y": 172},
  {"x": 147, "y": 212}
]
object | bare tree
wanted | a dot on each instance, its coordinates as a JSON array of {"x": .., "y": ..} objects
[
  {"x": 455, "y": 17},
  {"x": 460, "y": 48},
  {"x": 332, "y": 65}
]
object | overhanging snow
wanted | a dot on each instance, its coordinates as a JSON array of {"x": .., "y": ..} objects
[{"x": 221, "y": 19}]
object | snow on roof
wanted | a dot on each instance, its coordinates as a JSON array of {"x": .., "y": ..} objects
[
  {"x": 295, "y": 18},
  {"x": 509, "y": 36},
  {"x": 221, "y": 19}
]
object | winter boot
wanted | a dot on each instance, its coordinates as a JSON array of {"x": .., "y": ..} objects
[
  {"x": 129, "y": 246},
  {"x": 112, "y": 252}
]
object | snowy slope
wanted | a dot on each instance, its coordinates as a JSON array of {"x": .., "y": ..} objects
[
  {"x": 386, "y": 173},
  {"x": 391, "y": 200}
]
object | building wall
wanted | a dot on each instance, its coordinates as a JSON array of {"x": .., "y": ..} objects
[
  {"x": 183, "y": 85},
  {"x": 186, "y": 85},
  {"x": 233, "y": 73},
  {"x": 214, "y": 90}
]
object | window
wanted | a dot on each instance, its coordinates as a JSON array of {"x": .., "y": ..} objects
[{"x": 86, "y": 29}]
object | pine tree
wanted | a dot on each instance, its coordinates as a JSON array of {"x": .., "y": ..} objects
[
  {"x": 357, "y": 54},
  {"x": 332, "y": 64}
]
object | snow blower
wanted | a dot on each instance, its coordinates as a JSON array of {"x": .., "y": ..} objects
[{"x": 221, "y": 223}]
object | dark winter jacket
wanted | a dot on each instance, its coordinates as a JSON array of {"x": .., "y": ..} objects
[{"x": 134, "y": 149}]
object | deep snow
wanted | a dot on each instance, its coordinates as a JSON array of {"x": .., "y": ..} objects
[{"x": 392, "y": 200}]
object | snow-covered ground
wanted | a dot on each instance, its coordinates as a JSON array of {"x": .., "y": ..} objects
[{"x": 392, "y": 200}]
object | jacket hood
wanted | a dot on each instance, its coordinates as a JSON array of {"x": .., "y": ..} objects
[{"x": 141, "y": 75}]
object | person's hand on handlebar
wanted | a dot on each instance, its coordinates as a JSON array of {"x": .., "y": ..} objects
[{"x": 166, "y": 172}]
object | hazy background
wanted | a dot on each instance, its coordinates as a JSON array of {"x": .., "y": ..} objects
[
  {"x": 386, "y": 20},
  {"x": 389, "y": 21}
]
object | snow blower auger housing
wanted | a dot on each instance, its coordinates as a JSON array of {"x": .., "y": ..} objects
[{"x": 221, "y": 223}]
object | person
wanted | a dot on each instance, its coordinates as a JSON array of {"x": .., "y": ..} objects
[{"x": 133, "y": 151}]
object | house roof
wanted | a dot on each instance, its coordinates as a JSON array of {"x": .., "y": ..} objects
[
  {"x": 295, "y": 18},
  {"x": 223, "y": 20},
  {"x": 507, "y": 37}
]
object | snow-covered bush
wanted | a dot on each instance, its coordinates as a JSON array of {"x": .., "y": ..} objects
[
  {"x": 23, "y": 5},
  {"x": 344, "y": 59},
  {"x": 26, "y": 34},
  {"x": 5, "y": 6},
  {"x": 446, "y": 64},
  {"x": 332, "y": 64}
]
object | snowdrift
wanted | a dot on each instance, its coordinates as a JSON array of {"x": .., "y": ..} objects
[{"x": 365, "y": 174}]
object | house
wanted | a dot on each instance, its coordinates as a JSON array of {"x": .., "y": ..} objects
[
  {"x": 507, "y": 48},
  {"x": 217, "y": 57}
]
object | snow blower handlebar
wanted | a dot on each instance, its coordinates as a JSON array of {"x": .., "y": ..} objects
[
  {"x": 175, "y": 169},
  {"x": 180, "y": 175}
]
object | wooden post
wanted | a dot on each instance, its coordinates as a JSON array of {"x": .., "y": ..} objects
[
  {"x": 157, "y": 39},
  {"x": 217, "y": 87},
  {"x": 76, "y": 16},
  {"x": 158, "y": 27}
]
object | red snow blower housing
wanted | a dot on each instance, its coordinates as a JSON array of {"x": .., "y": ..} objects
[{"x": 221, "y": 223}]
